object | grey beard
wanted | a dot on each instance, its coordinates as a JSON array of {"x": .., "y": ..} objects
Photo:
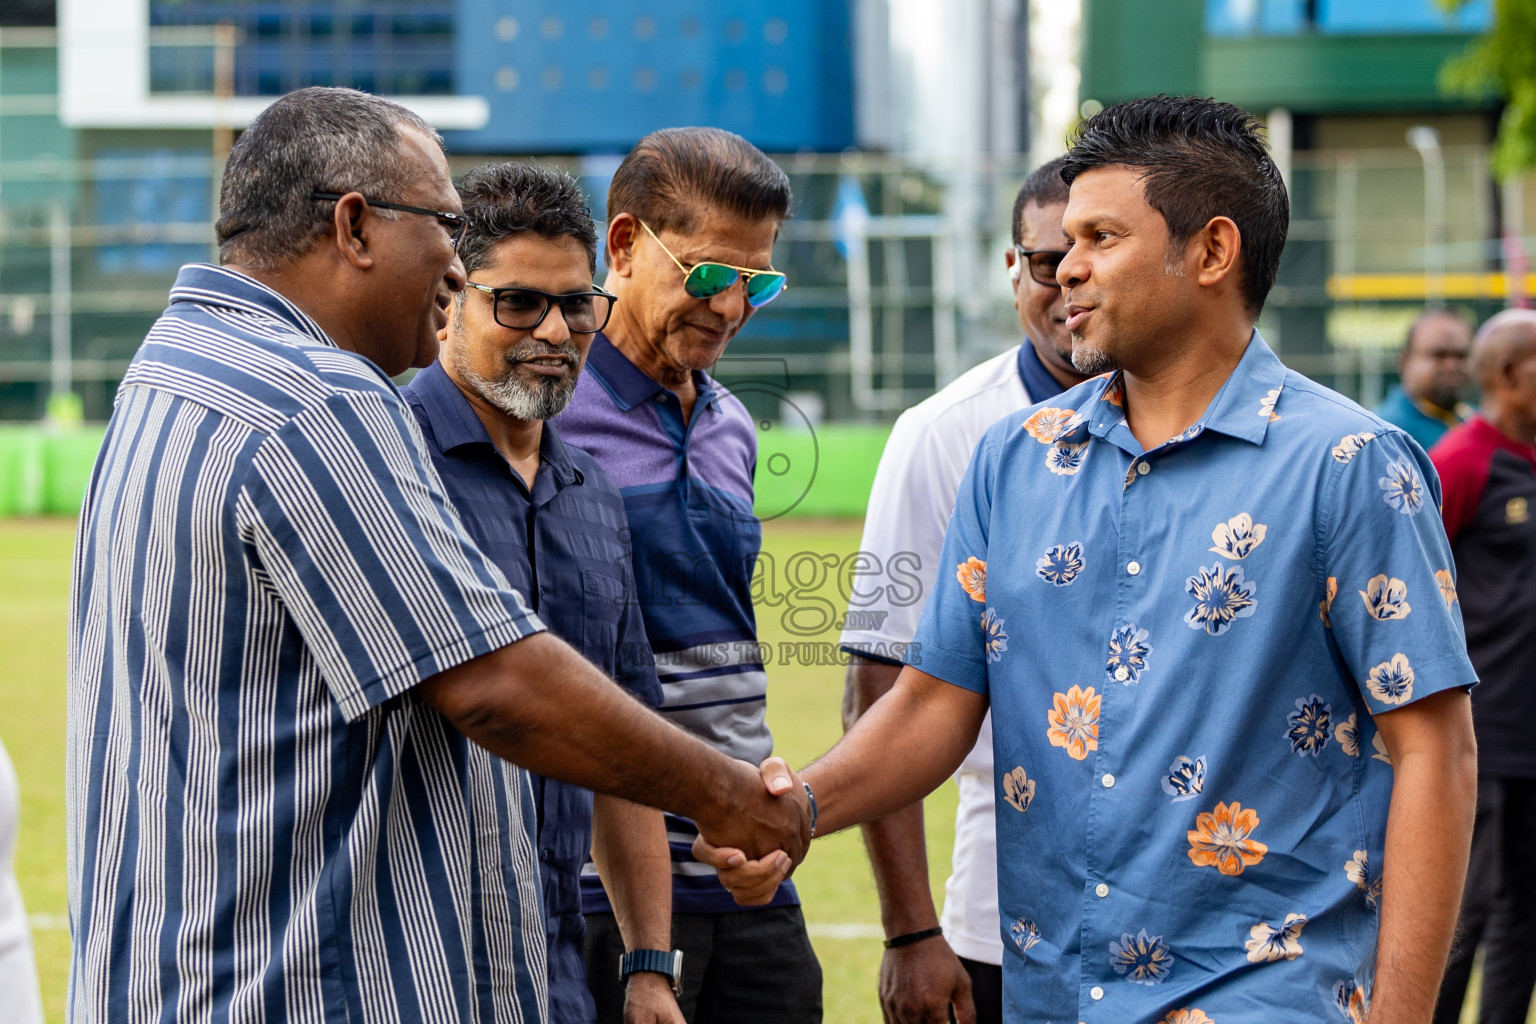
[
  {"x": 543, "y": 401},
  {"x": 1091, "y": 362}
]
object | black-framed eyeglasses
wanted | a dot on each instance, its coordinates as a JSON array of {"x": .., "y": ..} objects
[
  {"x": 523, "y": 309},
  {"x": 456, "y": 223},
  {"x": 1042, "y": 263}
]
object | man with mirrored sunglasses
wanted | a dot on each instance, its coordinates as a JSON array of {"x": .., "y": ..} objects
[
  {"x": 693, "y": 214},
  {"x": 551, "y": 520}
]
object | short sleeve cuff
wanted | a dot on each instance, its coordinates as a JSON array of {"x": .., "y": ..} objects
[
  {"x": 956, "y": 669},
  {"x": 390, "y": 684}
]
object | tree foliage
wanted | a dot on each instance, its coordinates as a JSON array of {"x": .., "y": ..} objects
[{"x": 1502, "y": 61}]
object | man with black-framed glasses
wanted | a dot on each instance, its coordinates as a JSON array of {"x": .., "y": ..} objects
[
  {"x": 693, "y": 214},
  {"x": 552, "y": 521}
]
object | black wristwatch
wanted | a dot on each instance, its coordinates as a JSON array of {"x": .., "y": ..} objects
[{"x": 659, "y": 961}]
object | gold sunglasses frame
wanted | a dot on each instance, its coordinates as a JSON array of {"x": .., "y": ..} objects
[{"x": 747, "y": 273}]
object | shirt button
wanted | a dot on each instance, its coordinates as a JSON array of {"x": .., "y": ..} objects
[
  {"x": 1096, "y": 993},
  {"x": 1101, "y": 890},
  {"x": 1108, "y": 781},
  {"x": 1122, "y": 674},
  {"x": 661, "y": 399},
  {"x": 1133, "y": 567},
  {"x": 1143, "y": 468}
]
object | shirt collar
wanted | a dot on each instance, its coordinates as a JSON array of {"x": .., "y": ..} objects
[
  {"x": 1244, "y": 406},
  {"x": 207, "y": 285},
  {"x": 454, "y": 424},
  {"x": 631, "y": 386},
  {"x": 1038, "y": 382}
]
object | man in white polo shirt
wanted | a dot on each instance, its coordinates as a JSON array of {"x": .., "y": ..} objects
[{"x": 922, "y": 974}]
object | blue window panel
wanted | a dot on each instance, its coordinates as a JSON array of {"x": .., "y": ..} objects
[
  {"x": 148, "y": 187},
  {"x": 779, "y": 73},
  {"x": 1342, "y": 17}
]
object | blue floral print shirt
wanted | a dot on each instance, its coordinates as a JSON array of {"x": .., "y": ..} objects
[{"x": 1183, "y": 649}]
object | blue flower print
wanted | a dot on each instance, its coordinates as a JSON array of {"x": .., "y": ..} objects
[
  {"x": 1065, "y": 459},
  {"x": 1025, "y": 934},
  {"x": 1185, "y": 779},
  {"x": 1143, "y": 959},
  {"x": 1401, "y": 487},
  {"x": 1347, "y": 733},
  {"x": 1349, "y": 446},
  {"x": 1267, "y": 404},
  {"x": 1221, "y": 596},
  {"x": 1391, "y": 682},
  {"x": 1266, "y": 943},
  {"x": 1128, "y": 650},
  {"x": 1019, "y": 789},
  {"x": 1386, "y": 598},
  {"x": 993, "y": 636},
  {"x": 1060, "y": 565},
  {"x": 1237, "y": 537},
  {"x": 1308, "y": 726}
]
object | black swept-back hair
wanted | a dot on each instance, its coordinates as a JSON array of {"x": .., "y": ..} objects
[
  {"x": 673, "y": 174},
  {"x": 1200, "y": 159},
  {"x": 506, "y": 199}
]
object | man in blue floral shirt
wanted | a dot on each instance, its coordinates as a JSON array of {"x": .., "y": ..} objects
[{"x": 1226, "y": 669}]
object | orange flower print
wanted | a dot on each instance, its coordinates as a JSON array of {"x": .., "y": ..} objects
[
  {"x": 972, "y": 574},
  {"x": 1115, "y": 393},
  {"x": 1220, "y": 839},
  {"x": 1075, "y": 722},
  {"x": 1187, "y": 1016},
  {"x": 1050, "y": 425},
  {"x": 1447, "y": 586},
  {"x": 1325, "y": 606}
]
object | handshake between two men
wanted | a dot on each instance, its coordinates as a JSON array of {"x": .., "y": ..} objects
[{"x": 903, "y": 748}]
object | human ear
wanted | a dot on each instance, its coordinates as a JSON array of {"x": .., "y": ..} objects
[
  {"x": 623, "y": 232},
  {"x": 353, "y": 225},
  {"x": 1217, "y": 248}
]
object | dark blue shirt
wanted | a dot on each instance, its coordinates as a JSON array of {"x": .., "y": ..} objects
[{"x": 566, "y": 545}]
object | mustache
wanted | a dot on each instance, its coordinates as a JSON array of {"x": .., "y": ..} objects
[{"x": 531, "y": 349}]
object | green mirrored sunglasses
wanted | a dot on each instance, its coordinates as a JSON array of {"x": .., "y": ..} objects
[{"x": 703, "y": 280}]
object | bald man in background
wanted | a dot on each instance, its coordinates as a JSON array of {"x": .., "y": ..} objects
[{"x": 1487, "y": 470}]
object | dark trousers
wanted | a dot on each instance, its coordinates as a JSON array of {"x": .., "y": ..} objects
[
  {"x": 1497, "y": 907},
  {"x": 986, "y": 990},
  {"x": 741, "y": 967}
]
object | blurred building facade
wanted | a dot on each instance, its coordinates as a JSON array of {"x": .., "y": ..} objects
[
  {"x": 905, "y": 127},
  {"x": 1393, "y": 202}
]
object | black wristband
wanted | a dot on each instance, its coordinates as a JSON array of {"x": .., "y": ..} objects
[
  {"x": 911, "y": 937},
  {"x": 811, "y": 799}
]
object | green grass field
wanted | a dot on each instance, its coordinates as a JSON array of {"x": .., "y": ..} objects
[{"x": 834, "y": 883}]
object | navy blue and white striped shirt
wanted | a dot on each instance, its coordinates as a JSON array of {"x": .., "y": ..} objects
[{"x": 265, "y": 823}]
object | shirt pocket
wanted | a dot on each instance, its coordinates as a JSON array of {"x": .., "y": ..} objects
[{"x": 602, "y": 605}]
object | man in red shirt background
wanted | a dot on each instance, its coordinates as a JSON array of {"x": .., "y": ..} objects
[{"x": 1487, "y": 469}]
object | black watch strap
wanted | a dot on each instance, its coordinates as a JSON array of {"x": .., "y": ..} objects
[{"x": 659, "y": 961}]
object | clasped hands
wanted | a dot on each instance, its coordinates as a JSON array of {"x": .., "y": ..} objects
[{"x": 773, "y": 824}]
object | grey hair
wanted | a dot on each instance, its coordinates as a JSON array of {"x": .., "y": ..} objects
[{"x": 318, "y": 139}]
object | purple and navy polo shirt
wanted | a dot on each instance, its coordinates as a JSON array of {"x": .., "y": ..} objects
[{"x": 687, "y": 490}]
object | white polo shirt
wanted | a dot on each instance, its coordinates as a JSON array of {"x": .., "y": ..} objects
[
  {"x": 914, "y": 492},
  {"x": 19, "y": 1001}
]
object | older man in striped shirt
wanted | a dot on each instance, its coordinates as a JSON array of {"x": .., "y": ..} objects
[{"x": 283, "y": 641}]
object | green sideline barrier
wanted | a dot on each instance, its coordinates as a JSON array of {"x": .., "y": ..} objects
[
  {"x": 825, "y": 473},
  {"x": 43, "y": 471}
]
